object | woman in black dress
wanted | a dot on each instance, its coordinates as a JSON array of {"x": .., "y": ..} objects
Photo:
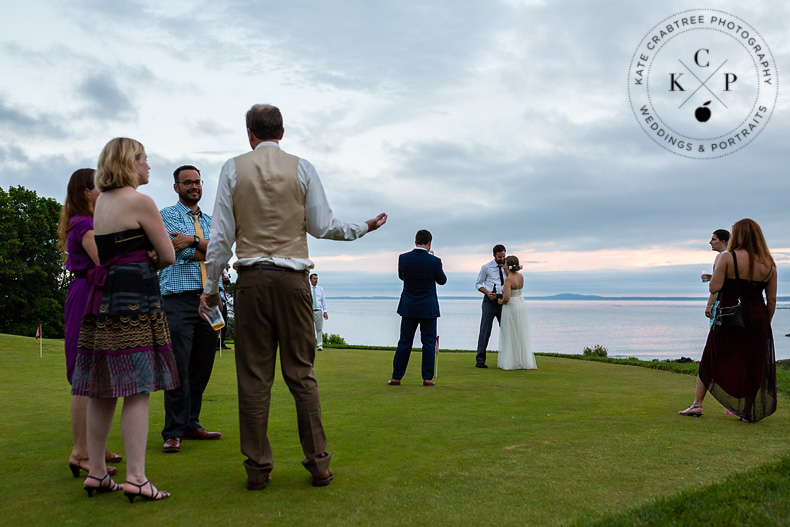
[
  {"x": 124, "y": 343},
  {"x": 737, "y": 365}
]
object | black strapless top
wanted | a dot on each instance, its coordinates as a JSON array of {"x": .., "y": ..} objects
[{"x": 113, "y": 244}]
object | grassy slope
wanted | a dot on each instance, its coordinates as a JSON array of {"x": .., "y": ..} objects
[{"x": 575, "y": 441}]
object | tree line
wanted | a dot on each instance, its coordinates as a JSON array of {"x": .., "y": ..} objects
[{"x": 33, "y": 281}]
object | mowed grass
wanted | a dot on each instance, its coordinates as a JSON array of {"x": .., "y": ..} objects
[{"x": 574, "y": 442}]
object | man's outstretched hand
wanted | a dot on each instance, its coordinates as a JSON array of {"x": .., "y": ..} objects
[{"x": 376, "y": 222}]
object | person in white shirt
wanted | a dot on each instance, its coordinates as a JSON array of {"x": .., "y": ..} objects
[
  {"x": 319, "y": 310},
  {"x": 489, "y": 282},
  {"x": 267, "y": 202}
]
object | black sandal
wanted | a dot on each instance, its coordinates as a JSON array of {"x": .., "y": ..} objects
[
  {"x": 160, "y": 494},
  {"x": 688, "y": 411},
  {"x": 101, "y": 488}
]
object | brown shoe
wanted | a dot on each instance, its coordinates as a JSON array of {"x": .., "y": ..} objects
[
  {"x": 112, "y": 457},
  {"x": 428, "y": 382},
  {"x": 172, "y": 445},
  {"x": 394, "y": 382},
  {"x": 199, "y": 433},
  {"x": 322, "y": 480},
  {"x": 251, "y": 485}
]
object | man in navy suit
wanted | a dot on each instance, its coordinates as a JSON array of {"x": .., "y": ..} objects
[{"x": 419, "y": 306}]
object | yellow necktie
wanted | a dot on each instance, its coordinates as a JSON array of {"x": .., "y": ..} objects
[{"x": 199, "y": 234}]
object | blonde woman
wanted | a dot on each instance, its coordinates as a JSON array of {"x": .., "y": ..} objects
[
  {"x": 124, "y": 343},
  {"x": 737, "y": 365}
]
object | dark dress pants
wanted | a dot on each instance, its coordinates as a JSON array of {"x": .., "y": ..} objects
[
  {"x": 491, "y": 310},
  {"x": 194, "y": 348},
  {"x": 408, "y": 326}
]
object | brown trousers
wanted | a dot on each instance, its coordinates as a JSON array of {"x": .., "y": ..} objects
[{"x": 275, "y": 308}]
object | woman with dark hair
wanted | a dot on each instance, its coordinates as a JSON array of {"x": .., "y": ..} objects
[
  {"x": 737, "y": 365},
  {"x": 76, "y": 242},
  {"x": 124, "y": 345},
  {"x": 515, "y": 351}
]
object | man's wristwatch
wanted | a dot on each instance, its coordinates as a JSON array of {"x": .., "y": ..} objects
[{"x": 195, "y": 243}]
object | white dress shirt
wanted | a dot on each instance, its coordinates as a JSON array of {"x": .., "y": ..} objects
[
  {"x": 488, "y": 276},
  {"x": 320, "y": 298},
  {"x": 318, "y": 218}
]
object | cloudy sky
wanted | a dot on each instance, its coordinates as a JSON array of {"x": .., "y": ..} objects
[{"x": 485, "y": 122}]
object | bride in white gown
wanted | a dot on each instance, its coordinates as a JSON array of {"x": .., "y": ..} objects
[{"x": 515, "y": 351}]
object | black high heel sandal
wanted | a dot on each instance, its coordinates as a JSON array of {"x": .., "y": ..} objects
[
  {"x": 159, "y": 495},
  {"x": 101, "y": 488},
  {"x": 75, "y": 469}
]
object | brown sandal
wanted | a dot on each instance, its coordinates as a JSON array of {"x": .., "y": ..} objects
[{"x": 112, "y": 457}]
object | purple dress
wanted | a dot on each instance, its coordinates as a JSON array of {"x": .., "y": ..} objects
[{"x": 78, "y": 262}]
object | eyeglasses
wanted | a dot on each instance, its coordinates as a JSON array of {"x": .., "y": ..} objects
[{"x": 192, "y": 182}]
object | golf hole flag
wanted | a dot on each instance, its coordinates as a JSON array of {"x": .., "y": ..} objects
[{"x": 40, "y": 340}]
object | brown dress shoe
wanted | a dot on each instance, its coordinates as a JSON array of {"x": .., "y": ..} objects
[
  {"x": 112, "y": 457},
  {"x": 393, "y": 382},
  {"x": 172, "y": 445},
  {"x": 199, "y": 433},
  {"x": 251, "y": 485},
  {"x": 428, "y": 382},
  {"x": 322, "y": 480}
]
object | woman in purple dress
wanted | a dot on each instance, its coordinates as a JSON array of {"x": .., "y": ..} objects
[
  {"x": 737, "y": 365},
  {"x": 79, "y": 248}
]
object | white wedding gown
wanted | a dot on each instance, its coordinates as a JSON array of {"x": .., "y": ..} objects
[{"x": 515, "y": 351}]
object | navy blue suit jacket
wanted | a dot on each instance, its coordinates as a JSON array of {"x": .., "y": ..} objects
[{"x": 420, "y": 273}]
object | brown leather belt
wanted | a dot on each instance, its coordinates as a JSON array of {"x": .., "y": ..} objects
[{"x": 268, "y": 267}]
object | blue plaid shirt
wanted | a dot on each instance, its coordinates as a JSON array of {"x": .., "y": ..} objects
[{"x": 184, "y": 275}]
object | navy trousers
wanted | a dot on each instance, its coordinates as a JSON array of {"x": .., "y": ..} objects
[
  {"x": 408, "y": 327},
  {"x": 491, "y": 310}
]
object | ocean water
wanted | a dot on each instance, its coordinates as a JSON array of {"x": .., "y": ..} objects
[{"x": 647, "y": 329}]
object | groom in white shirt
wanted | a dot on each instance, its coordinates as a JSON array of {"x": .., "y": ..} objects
[{"x": 489, "y": 282}]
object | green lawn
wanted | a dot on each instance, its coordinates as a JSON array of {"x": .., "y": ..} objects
[{"x": 575, "y": 442}]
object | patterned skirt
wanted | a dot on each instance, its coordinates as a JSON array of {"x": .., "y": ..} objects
[{"x": 126, "y": 350}]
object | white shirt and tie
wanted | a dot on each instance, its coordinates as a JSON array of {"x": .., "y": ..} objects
[
  {"x": 319, "y": 308},
  {"x": 319, "y": 300},
  {"x": 491, "y": 273}
]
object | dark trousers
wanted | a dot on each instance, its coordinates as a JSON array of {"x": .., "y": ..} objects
[
  {"x": 491, "y": 310},
  {"x": 194, "y": 348},
  {"x": 275, "y": 308},
  {"x": 408, "y": 326}
]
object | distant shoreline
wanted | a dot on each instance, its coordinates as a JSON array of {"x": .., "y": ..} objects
[{"x": 563, "y": 296}]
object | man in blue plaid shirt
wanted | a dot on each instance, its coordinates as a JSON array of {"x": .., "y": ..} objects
[{"x": 194, "y": 341}]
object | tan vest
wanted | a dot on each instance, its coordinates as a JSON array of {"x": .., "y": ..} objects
[{"x": 269, "y": 205}]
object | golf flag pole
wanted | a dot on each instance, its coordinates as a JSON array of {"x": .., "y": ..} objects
[
  {"x": 40, "y": 341},
  {"x": 436, "y": 353}
]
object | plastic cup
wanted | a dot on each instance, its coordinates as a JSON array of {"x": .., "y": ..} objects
[
  {"x": 705, "y": 275},
  {"x": 215, "y": 318}
]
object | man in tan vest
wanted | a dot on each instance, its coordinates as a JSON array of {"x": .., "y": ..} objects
[{"x": 267, "y": 202}]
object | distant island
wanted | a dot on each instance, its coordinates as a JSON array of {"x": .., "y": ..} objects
[{"x": 563, "y": 296}]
